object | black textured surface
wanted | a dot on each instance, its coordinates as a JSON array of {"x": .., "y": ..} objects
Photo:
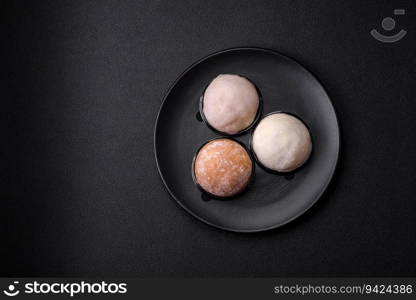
[
  {"x": 80, "y": 193},
  {"x": 271, "y": 200}
]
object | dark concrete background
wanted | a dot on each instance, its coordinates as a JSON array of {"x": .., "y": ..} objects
[{"x": 80, "y": 192}]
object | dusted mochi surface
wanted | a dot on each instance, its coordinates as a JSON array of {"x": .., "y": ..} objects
[
  {"x": 282, "y": 142},
  {"x": 230, "y": 103},
  {"x": 223, "y": 167}
]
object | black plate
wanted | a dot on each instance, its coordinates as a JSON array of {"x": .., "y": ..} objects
[{"x": 271, "y": 200}]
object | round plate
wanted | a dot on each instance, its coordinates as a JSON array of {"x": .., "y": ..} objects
[{"x": 270, "y": 200}]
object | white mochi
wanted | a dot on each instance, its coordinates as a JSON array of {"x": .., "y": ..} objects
[
  {"x": 282, "y": 142},
  {"x": 230, "y": 103}
]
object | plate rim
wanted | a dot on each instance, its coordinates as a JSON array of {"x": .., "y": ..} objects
[{"x": 265, "y": 228}]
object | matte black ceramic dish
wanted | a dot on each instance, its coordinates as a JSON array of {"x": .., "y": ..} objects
[
  {"x": 256, "y": 118},
  {"x": 270, "y": 201},
  {"x": 286, "y": 174},
  {"x": 208, "y": 196}
]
